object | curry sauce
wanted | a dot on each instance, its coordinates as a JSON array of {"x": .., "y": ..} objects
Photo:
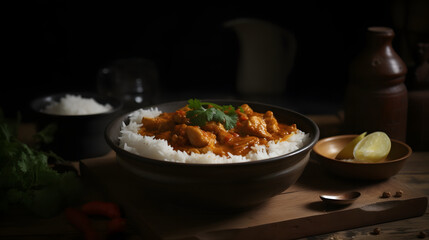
[{"x": 252, "y": 128}]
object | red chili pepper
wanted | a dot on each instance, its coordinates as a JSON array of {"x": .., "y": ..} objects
[
  {"x": 100, "y": 208},
  {"x": 81, "y": 222}
]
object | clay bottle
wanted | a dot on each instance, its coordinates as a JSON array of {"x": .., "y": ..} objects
[{"x": 376, "y": 97}]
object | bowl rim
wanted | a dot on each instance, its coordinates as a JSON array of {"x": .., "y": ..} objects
[
  {"x": 116, "y": 103},
  {"x": 137, "y": 157},
  {"x": 327, "y": 139}
]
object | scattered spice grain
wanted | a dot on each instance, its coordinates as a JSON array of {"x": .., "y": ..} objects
[
  {"x": 422, "y": 234},
  {"x": 385, "y": 195},
  {"x": 376, "y": 231},
  {"x": 398, "y": 194}
]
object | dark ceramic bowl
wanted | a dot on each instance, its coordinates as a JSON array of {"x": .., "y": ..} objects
[
  {"x": 77, "y": 136},
  {"x": 326, "y": 149},
  {"x": 229, "y": 185}
]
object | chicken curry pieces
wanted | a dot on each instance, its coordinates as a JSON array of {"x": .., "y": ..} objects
[{"x": 251, "y": 128}]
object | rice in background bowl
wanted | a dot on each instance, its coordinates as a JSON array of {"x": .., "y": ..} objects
[
  {"x": 71, "y": 104},
  {"x": 77, "y": 136},
  {"x": 217, "y": 185}
]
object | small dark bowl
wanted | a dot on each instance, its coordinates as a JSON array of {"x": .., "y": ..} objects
[
  {"x": 77, "y": 136},
  {"x": 229, "y": 185},
  {"x": 326, "y": 149}
]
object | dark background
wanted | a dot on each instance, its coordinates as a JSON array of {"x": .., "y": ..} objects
[{"x": 59, "y": 46}]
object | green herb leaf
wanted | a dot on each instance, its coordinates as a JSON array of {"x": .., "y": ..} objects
[
  {"x": 46, "y": 135},
  {"x": 194, "y": 104},
  {"x": 26, "y": 179},
  {"x": 199, "y": 115}
]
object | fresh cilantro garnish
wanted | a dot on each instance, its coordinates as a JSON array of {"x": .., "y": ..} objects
[
  {"x": 203, "y": 112},
  {"x": 26, "y": 179}
]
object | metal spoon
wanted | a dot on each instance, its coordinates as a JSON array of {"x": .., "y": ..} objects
[{"x": 341, "y": 199}]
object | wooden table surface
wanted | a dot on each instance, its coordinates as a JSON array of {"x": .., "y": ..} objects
[{"x": 415, "y": 174}]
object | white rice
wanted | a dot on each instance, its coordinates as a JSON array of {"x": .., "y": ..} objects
[
  {"x": 150, "y": 147},
  {"x": 76, "y": 105}
]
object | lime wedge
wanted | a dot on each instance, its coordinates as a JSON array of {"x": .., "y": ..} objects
[
  {"x": 347, "y": 151},
  {"x": 373, "y": 148}
]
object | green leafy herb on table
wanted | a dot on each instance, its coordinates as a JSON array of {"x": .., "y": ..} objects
[
  {"x": 26, "y": 179},
  {"x": 203, "y": 112},
  {"x": 46, "y": 135}
]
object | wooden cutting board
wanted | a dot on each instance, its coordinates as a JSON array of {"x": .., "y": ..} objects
[{"x": 295, "y": 213}]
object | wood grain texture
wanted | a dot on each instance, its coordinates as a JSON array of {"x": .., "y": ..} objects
[{"x": 297, "y": 212}]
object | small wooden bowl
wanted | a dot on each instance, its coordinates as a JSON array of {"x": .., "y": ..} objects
[{"x": 326, "y": 149}]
